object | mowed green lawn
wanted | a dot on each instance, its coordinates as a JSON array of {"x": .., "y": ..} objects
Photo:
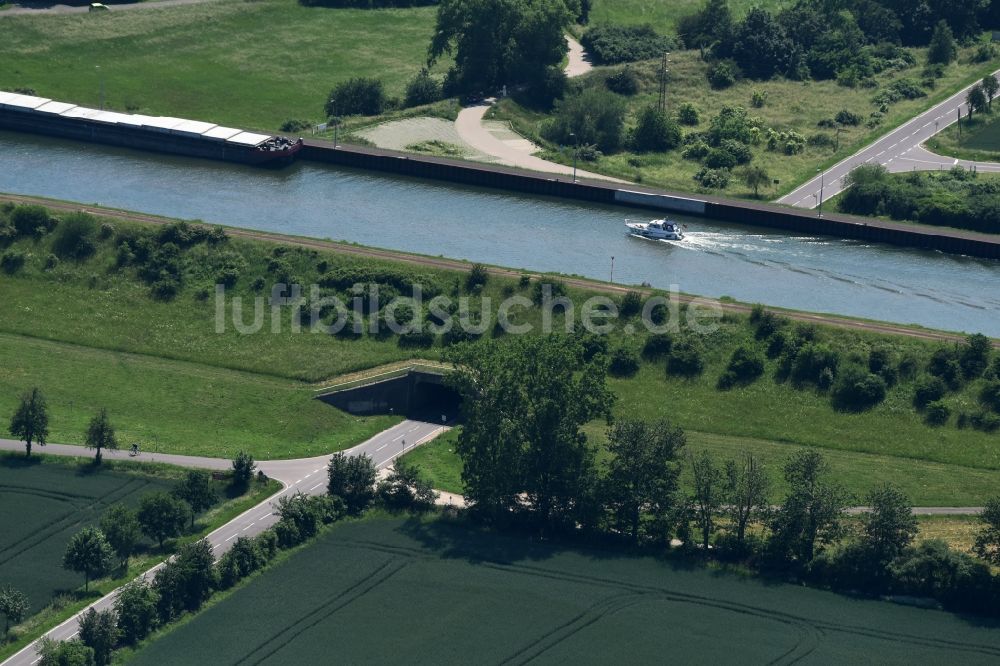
[
  {"x": 977, "y": 140},
  {"x": 388, "y": 590},
  {"x": 248, "y": 64},
  {"x": 174, "y": 406},
  {"x": 42, "y": 506}
]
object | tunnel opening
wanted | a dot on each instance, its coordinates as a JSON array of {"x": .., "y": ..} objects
[{"x": 416, "y": 394}]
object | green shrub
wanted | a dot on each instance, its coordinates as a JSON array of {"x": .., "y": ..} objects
[
  {"x": 928, "y": 390},
  {"x": 623, "y": 363},
  {"x": 845, "y": 117},
  {"x": 356, "y": 96},
  {"x": 687, "y": 114},
  {"x": 989, "y": 395},
  {"x": 614, "y": 44},
  {"x": 945, "y": 364},
  {"x": 937, "y": 414},
  {"x": 295, "y": 125},
  {"x": 657, "y": 345},
  {"x": 811, "y": 360},
  {"x": 12, "y": 261},
  {"x": 722, "y": 75},
  {"x": 75, "y": 236},
  {"x": 858, "y": 390},
  {"x": 631, "y": 304},
  {"x": 745, "y": 366},
  {"x": 624, "y": 82},
  {"x": 655, "y": 132},
  {"x": 423, "y": 89},
  {"x": 32, "y": 220},
  {"x": 477, "y": 277},
  {"x": 593, "y": 116},
  {"x": 685, "y": 359},
  {"x": 713, "y": 179}
]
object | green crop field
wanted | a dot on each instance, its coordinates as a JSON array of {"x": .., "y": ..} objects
[
  {"x": 394, "y": 591},
  {"x": 248, "y": 64},
  {"x": 43, "y": 506}
]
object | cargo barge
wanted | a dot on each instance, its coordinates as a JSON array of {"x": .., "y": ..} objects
[{"x": 194, "y": 138}]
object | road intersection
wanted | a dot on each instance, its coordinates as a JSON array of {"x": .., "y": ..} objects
[
  {"x": 900, "y": 150},
  {"x": 306, "y": 475}
]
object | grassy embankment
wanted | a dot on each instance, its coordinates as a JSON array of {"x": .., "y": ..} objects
[
  {"x": 247, "y": 64},
  {"x": 662, "y": 15},
  {"x": 47, "y": 499},
  {"x": 90, "y": 335},
  {"x": 979, "y": 139},
  {"x": 436, "y": 583},
  {"x": 790, "y": 105}
]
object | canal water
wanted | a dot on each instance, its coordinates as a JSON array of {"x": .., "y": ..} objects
[{"x": 751, "y": 264}]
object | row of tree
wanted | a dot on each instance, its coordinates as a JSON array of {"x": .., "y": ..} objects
[
  {"x": 186, "y": 581},
  {"x": 30, "y": 424},
  {"x": 526, "y": 462}
]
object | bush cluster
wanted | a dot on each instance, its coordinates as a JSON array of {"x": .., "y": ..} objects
[{"x": 615, "y": 44}]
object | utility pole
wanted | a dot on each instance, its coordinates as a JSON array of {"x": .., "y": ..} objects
[
  {"x": 576, "y": 151},
  {"x": 959, "y": 122},
  {"x": 661, "y": 104},
  {"x": 612, "y": 268},
  {"x": 822, "y": 179},
  {"x": 100, "y": 75}
]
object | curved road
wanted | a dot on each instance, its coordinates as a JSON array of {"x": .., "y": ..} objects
[
  {"x": 519, "y": 153},
  {"x": 899, "y": 150},
  {"x": 305, "y": 476}
]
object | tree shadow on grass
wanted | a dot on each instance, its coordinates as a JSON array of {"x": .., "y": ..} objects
[
  {"x": 19, "y": 461},
  {"x": 461, "y": 538}
]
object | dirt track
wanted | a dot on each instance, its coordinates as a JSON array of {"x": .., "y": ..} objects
[{"x": 454, "y": 264}]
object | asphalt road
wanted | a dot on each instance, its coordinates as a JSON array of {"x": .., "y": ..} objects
[
  {"x": 899, "y": 150},
  {"x": 306, "y": 475}
]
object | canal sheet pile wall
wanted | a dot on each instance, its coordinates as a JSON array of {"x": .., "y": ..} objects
[{"x": 751, "y": 213}]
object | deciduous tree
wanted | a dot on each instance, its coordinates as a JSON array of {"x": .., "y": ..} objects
[
  {"x": 243, "y": 469},
  {"x": 13, "y": 606},
  {"x": 135, "y": 607},
  {"x": 30, "y": 422},
  {"x": 756, "y": 177},
  {"x": 101, "y": 434},
  {"x": 942, "y": 47},
  {"x": 747, "y": 493},
  {"x": 526, "y": 400},
  {"x": 709, "y": 494},
  {"x": 642, "y": 474},
  {"x": 813, "y": 511},
  {"x": 990, "y": 86},
  {"x": 121, "y": 528},
  {"x": 889, "y": 524},
  {"x": 352, "y": 479},
  {"x": 99, "y": 632},
  {"x": 987, "y": 544},
  {"x": 976, "y": 99},
  {"x": 162, "y": 516},
  {"x": 196, "y": 489},
  {"x": 501, "y": 42},
  {"x": 89, "y": 553}
]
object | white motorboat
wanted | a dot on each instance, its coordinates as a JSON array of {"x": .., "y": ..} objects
[{"x": 656, "y": 229}]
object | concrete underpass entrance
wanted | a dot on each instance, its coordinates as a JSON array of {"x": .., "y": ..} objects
[{"x": 417, "y": 393}]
